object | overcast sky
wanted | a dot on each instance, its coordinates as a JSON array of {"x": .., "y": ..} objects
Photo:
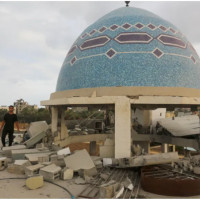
[{"x": 36, "y": 36}]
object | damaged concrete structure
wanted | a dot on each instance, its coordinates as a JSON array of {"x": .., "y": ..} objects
[{"x": 128, "y": 60}]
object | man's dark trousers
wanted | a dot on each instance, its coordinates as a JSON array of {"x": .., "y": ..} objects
[{"x": 10, "y": 136}]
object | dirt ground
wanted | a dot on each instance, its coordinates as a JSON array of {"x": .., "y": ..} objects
[{"x": 16, "y": 188}]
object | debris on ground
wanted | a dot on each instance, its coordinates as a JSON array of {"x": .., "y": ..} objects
[
  {"x": 33, "y": 183},
  {"x": 103, "y": 177}
]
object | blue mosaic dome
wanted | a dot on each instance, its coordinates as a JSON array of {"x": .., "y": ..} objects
[{"x": 130, "y": 47}]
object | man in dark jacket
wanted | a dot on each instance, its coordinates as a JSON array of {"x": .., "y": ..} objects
[{"x": 8, "y": 123}]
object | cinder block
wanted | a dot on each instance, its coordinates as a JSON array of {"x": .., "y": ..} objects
[
  {"x": 3, "y": 163},
  {"x": 18, "y": 167},
  {"x": 50, "y": 172},
  {"x": 33, "y": 169},
  {"x": 42, "y": 159},
  {"x": 34, "y": 182}
]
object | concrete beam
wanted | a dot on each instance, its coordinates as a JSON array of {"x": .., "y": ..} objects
[{"x": 82, "y": 138}]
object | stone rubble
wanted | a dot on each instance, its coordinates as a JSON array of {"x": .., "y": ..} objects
[{"x": 50, "y": 162}]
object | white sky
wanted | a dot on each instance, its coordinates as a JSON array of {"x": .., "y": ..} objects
[{"x": 36, "y": 36}]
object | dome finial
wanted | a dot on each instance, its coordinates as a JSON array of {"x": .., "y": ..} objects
[{"x": 127, "y": 2}]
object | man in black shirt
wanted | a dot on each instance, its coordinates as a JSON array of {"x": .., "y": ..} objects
[{"x": 8, "y": 123}]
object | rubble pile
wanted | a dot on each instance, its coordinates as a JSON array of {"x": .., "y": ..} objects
[
  {"x": 188, "y": 164},
  {"x": 103, "y": 177}
]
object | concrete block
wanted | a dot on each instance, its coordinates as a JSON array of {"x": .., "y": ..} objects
[
  {"x": 3, "y": 163},
  {"x": 79, "y": 160},
  {"x": 34, "y": 182},
  {"x": 42, "y": 159},
  {"x": 108, "y": 190},
  {"x": 107, "y": 161},
  {"x": 35, "y": 139},
  {"x": 15, "y": 169},
  {"x": 50, "y": 172},
  {"x": 33, "y": 169},
  {"x": 107, "y": 151},
  {"x": 20, "y": 154},
  {"x": 8, "y": 150},
  {"x": 33, "y": 158},
  {"x": 18, "y": 167},
  {"x": 53, "y": 157},
  {"x": 67, "y": 174},
  {"x": 65, "y": 151}
]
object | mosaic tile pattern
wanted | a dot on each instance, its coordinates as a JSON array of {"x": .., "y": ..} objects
[{"x": 130, "y": 47}]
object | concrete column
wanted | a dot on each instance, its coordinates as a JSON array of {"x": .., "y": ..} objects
[
  {"x": 165, "y": 148},
  {"x": 173, "y": 148},
  {"x": 54, "y": 119},
  {"x": 93, "y": 145},
  {"x": 122, "y": 128},
  {"x": 64, "y": 131}
]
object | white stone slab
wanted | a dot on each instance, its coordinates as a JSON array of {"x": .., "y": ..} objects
[
  {"x": 65, "y": 151},
  {"x": 79, "y": 160},
  {"x": 51, "y": 168},
  {"x": 37, "y": 127},
  {"x": 107, "y": 161}
]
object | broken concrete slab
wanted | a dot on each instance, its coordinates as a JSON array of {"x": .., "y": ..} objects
[
  {"x": 145, "y": 160},
  {"x": 50, "y": 172},
  {"x": 33, "y": 157},
  {"x": 67, "y": 174},
  {"x": 79, "y": 160},
  {"x": 36, "y": 128},
  {"x": 7, "y": 150},
  {"x": 33, "y": 169},
  {"x": 34, "y": 182},
  {"x": 65, "y": 151},
  {"x": 34, "y": 139},
  {"x": 107, "y": 151},
  {"x": 18, "y": 167},
  {"x": 20, "y": 154},
  {"x": 108, "y": 190}
]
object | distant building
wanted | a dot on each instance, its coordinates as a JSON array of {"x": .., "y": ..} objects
[
  {"x": 21, "y": 104},
  {"x": 3, "y": 107}
]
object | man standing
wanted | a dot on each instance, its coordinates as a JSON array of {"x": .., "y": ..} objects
[{"x": 8, "y": 123}]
